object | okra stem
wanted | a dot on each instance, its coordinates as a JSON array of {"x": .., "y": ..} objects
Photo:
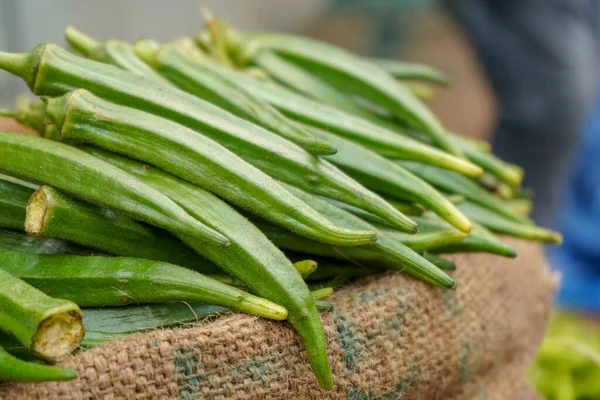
[
  {"x": 50, "y": 328},
  {"x": 117, "y": 281}
]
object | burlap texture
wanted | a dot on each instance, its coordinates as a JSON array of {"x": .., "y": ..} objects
[{"x": 390, "y": 337}]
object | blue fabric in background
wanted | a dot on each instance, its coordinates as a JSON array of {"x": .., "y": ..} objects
[{"x": 578, "y": 258}]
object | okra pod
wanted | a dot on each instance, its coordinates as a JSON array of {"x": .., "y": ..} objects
[
  {"x": 252, "y": 258},
  {"x": 367, "y": 133},
  {"x": 384, "y": 252},
  {"x": 13, "y": 369},
  {"x": 27, "y": 113},
  {"x": 412, "y": 71},
  {"x": 455, "y": 183},
  {"x": 309, "y": 173},
  {"x": 350, "y": 73},
  {"x": 117, "y": 281},
  {"x": 331, "y": 268},
  {"x": 204, "y": 80},
  {"x": 420, "y": 91},
  {"x": 13, "y": 199},
  {"x": 510, "y": 174},
  {"x": 305, "y": 268},
  {"x": 480, "y": 240},
  {"x": 439, "y": 262},
  {"x": 498, "y": 224},
  {"x": 84, "y": 117},
  {"x": 16, "y": 241},
  {"x": 383, "y": 176},
  {"x": 50, "y": 328},
  {"x": 303, "y": 82},
  {"x": 52, "y": 214},
  {"x": 425, "y": 241},
  {"x": 113, "y": 52},
  {"x": 47, "y": 161}
]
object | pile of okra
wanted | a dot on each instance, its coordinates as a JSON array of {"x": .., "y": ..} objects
[{"x": 226, "y": 172}]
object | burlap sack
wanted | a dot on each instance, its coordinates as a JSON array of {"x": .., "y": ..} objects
[{"x": 390, "y": 337}]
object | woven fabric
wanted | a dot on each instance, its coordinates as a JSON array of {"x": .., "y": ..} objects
[{"x": 390, "y": 337}]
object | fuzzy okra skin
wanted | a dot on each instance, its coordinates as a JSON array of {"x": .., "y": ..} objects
[
  {"x": 383, "y": 176},
  {"x": 114, "y": 281},
  {"x": 13, "y": 369},
  {"x": 455, "y": 183},
  {"x": 252, "y": 258},
  {"x": 113, "y": 52},
  {"x": 13, "y": 199},
  {"x": 384, "y": 252},
  {"x": 204, "y": 80},
  {"x": 412, "y": 71},
  {"x": 360, "y": 130},
  {"x": 348, "y": 72},
  {"x": 309, "y": 173},
  {"x": 84, "y": 176},
  {"x": 50, "y": 213},
  {"x": 499, "y": 224},
  {"x": 50, "y": 328},
  {"x": 425, "y": 241},
  {"x": 84, "y": 117}
]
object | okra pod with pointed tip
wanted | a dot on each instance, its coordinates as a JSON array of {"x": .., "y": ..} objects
[
  {"x": 252, "y": 258},
  {"x": 425, "y": 241},
  {"x": 14, "y": 369},
  {"x": 350, "y": 73},
  {"x": 84, "y": 176},
  {"x": 498, "y": 224},
  {"x": 50, "y": 328},
  {"x": 50, "y": 213},
  {"x": 117, "y": 281},
  {"x": 84, "y": 117},
  {"x": 383, "y": 176}
]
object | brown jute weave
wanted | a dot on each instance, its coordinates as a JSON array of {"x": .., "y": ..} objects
[{"x": 390, "y": 337}]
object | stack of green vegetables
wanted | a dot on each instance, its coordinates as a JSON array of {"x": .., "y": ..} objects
[{"x": 229, "y": 171}]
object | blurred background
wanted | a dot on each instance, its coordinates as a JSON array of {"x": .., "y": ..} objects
[{"x": 523, "y": 72}]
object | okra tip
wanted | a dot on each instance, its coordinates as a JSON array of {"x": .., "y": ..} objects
[
  {"x": 80, "y": 42},
  {"x": 147, "y": 50}
]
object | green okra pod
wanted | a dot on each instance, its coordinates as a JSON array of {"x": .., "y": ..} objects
[
  {"x": 83, "y": 117},
  {"x": 13, "y": 199},
  {"x": 331, "y": 268},
  {"x": 350, "y": 73},
  {"x": 440, "y": 262},
  {"x": 455, "y": 183},
  {"x": 367, "y": 133},
  {"x": 305, "y": 267},
  {"x": 385, "y": 251},
  {"x": 510, "y": 174},
  {"x": 412, "y": 71},
  {"x": 499, "y": 224},
  {"x": 27, "y": 113},
  {"x": 50, "y": 213},
  {"x": 383, "y": 176},
  {"x": 13, "y": 369},
  {"x": 425, "y": 241},
  {"x": 50, "y": 328},
  {"x": 113, "y": 52},
  {"x": 17, "y": 241},
  {"x": 480, "y": 240},
  {"x": 204, "y": 80},
  {"x": 84, "y": 176},
  {"x": 252, "y": 258},
  {"x": 303, "y": 82},
  {"x": 116, "y": 281},
  {"x": 309, "y": 173}
]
